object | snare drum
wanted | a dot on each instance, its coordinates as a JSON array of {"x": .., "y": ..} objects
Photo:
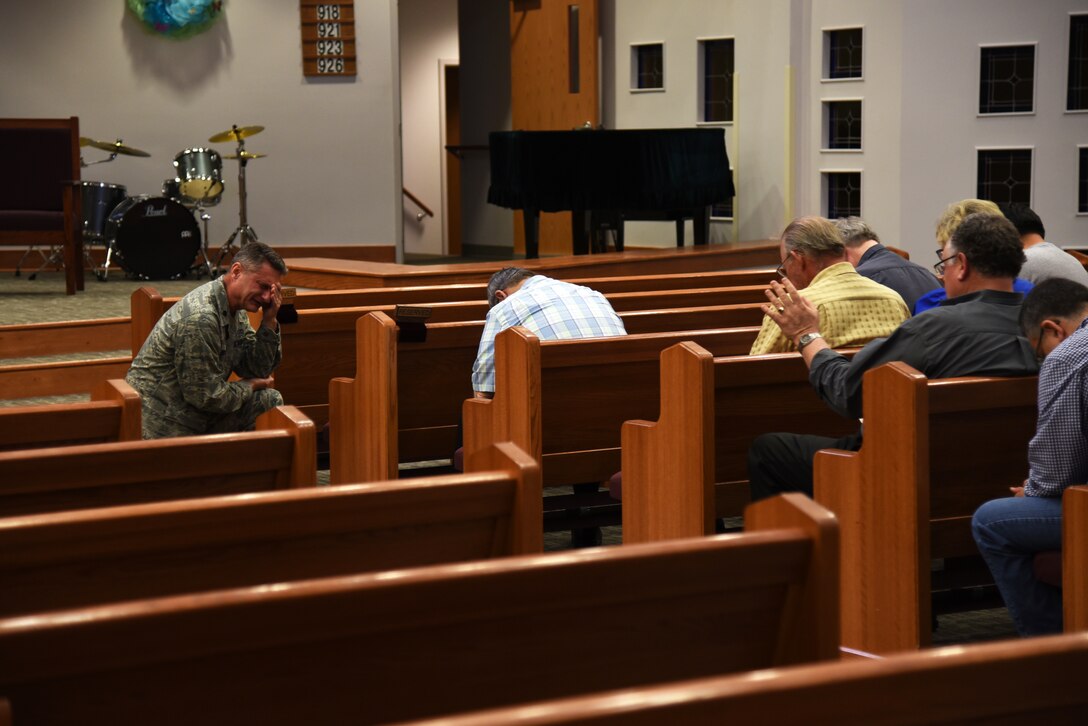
[
  {"x": 199, "y": 176},
  {"x": 99, "y": 199},
  {"x": 156, "y": 238}
]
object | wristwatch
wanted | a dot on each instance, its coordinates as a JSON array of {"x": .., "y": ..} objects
[{"x": 806, "y": 339}]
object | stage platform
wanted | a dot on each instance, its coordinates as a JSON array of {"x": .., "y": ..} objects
[{"x": 330, "y": 274}]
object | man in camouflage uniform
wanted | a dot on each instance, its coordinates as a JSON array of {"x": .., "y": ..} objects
[{"x": 182, "y": 370}]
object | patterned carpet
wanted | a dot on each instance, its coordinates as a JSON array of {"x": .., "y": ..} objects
[{"x": 43, "y": 300}]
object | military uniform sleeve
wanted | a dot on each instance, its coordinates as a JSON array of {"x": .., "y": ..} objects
[
  {"x": 203, "y": 369},
  {"x": 259, "y": 352}
]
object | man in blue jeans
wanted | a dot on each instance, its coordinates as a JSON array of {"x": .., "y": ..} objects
[{"x": 1010, "y": 531}]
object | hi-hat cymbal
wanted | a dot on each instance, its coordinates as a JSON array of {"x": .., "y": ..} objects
[
  {"x": 245, "y": 155},
  {"x": 236, "y": 134},
  {"x": 114, "y": 147}
]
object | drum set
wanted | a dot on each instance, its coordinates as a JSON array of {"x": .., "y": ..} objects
[{"x": 158, "y": 237}]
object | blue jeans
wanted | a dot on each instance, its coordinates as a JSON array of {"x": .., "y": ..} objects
[{"x": 1008, "y": 533}]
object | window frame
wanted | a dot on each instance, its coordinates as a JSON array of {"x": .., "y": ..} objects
[
  {"x": 1068, "y": 53},
  {"x": 825, "y": 126},
  {"x": 1010, "y": 147},
  {"x": 825, "y": 53},
  {"x": 633, "y": 58},
  {"x": 825, "y": 192},
  {"x": 1034, "y": 45},
  {"x": 700, "y": 59}
]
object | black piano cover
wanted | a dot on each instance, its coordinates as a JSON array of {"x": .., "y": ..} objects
[{"x": 657, "y": 169}]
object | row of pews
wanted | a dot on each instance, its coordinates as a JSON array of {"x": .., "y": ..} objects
[{"x": 208, "y": 578}]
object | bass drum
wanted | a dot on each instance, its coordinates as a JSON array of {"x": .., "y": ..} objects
[{"x": 156, "y": 238}]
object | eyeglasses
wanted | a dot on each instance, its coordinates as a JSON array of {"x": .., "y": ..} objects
[
  {"x": 1039, "y": 354},
  {"x": 781, "y": 269},
  {"x": 942, "y": 261}
]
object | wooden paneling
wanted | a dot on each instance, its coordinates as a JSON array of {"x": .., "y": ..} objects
[{"x": 540, "y": 95}]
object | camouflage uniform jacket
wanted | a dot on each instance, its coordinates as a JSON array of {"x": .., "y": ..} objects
[{"x": 182, "y": 370}]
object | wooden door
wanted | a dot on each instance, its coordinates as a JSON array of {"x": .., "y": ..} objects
[{"x": 553, "y": 78}]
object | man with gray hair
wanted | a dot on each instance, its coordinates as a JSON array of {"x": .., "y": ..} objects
[
  {"x": 552, "y": 309},
  {"x": 182, "y": 371},
  {"x": 856, "y": 309},
  {"x": 873, "y": 260}
]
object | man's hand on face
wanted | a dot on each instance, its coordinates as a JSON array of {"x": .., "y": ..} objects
[
  {"x": 793, "y": 314},
  {"x": 273, "y": 307}
]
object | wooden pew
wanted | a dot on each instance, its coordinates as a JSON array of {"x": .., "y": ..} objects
[
  {"x": 404, "y": 403},
  {"x": 148, "y": 305},
  {"x": 278, "y": 455},
  {"x": 327, "y": 274},
  {"x": 1075, "y": 559},
  {"x": 1010, "y": 682},
  {"x": 389, "y": 646},
  {"x": 567, "y": 408},
  {"x": 113, "y": 414},
  {"x": 78, "y": 558},
  {"x": 933, "y": 452},
  {"x": 450, "y": 303},
  {"x": 690, "y": 465}
]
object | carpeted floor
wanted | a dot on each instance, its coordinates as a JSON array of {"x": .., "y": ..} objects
[{"x": 43, "y": 300}]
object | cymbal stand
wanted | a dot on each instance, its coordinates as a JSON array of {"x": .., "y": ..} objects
[
  {"x": 199, "y": 268},
  {"x": 244, "y": 232}
]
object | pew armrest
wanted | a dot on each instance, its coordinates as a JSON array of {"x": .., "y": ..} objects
[
  {"x": 342, "y": 457},
  {"x": 131, "y": 423},
  {"x": 1075, "y": 558},
  {"x": 815, "y": 634},
  {"x": 304, "y": 459},
  {"x": 527, "y": 527}
]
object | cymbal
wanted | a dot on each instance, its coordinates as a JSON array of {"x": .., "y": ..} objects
[
  {"x": 114, "y": 147},
  {"x": 236, "y": 134},
  {"x": 245, "y": 155}
]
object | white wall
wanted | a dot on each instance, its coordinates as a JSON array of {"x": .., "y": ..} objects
[
  {"x": 880, "y": 91},
  {"x": 941, "y": 129},
  {"x": 332, "y": 175},
  {"x": 756, "y": 142},
  {"x": 428, "y": 35}
]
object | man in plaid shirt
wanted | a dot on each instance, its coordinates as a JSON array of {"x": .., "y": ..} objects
[
  {"x": 1010, "y": 531},
  {"x": 552, "y": 309}
]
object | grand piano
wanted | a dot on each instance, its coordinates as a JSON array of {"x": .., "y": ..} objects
[{"x": 606, "y": 177}]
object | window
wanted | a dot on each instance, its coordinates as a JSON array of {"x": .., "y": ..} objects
[
  {"x": 1007, "y": 79},
  {"x": 1082, "y": 181},
  {"x": 717, "y": 80},
  {"x": 842, "y": 53},
  {"x": 843, "y": 193},
  {"x": 648, "y": 67},
  {"x": 842, "y": 124},
  {"x": 1077, "y": 97},
  {"x": 1004, "y": 175}
]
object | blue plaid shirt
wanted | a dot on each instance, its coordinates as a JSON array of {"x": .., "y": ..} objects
[
  {"x": 553, "y": 310},
  {"x": 1058, "y": 454}
]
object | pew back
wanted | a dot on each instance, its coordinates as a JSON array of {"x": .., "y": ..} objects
[
  {"x": 565, "y": 401},
  {"x": 280, "y": 454},
  {"x": 360, "y": 648},
  {"x": 712, "y": 409},
  {"x": 75, "y": 559},
  {"x": 113, "y": 414},
  {"x": 933, "y": 452},
  {"x": 944, "y": 686},
  {"x": 405, "y": 401}
]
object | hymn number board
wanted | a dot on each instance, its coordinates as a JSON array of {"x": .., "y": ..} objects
[{"x": 328, "y": 38}]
